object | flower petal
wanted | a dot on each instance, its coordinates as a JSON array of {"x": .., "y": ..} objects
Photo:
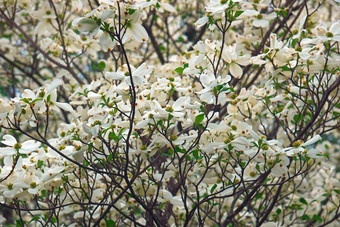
[
  {"x": 202, "y": 21},
  {"x": 106, "y": 42},
  {"x": 9, "y": 140},
  {"x": 85, "y": 24},
  {"x": 168, "y": 7},
  {"x": 7, "y": 151},
  {"x": 261, "y": 23},
  {"x": 65, "y": 106},
  {"x": 313, "y": 140},
  {"x": 138, "y": 32},
  {"x": 30, "y": 145},
  {"x": 235, "y": 70},
  {"x": 114, "y": 75},
  {"x": 53, "y": 85}
]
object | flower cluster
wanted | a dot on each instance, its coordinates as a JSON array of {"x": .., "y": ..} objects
[{"x": 149, "y": 113}]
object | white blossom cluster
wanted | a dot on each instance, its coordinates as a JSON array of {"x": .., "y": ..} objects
[{"x": 238, "y": 129}]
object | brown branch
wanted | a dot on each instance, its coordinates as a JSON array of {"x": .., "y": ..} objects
[{"x": 35, "y": 45}]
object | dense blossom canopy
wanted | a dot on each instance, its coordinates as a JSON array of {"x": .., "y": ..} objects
[{"x": 170, "y": 113}]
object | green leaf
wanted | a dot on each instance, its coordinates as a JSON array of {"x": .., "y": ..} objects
[
  {"x": 19, "y": 223},
  {"x": 110, "y": 223},
  {"x": 316, "y": 218},
  {"x": 131, "y": 11},
  {"x": 199, "y": 118},
  {"x": 43, "y": 193},
  {"x": 171, "y": 152},
  {"x": 179, "y": 150},
  {"x": 302, "y": 200},
  {"x": 237, "y": 14},
  {"x": 305, "y": 217},
  {"x": 172, "y": 90},
  {"x": 294, "y": 42},
  {"x": 285, "y": 68},
  {"x": 258, "y": 196},
  {"x": 326, "y": 155},
  {"x": 213, "y": 188},
  {"x": 195, "y": 153},
  {"x": 113, "y": 136},
  {"x": 110, "y": 158},
  {"x": 101, "y": 66},
  {"x": 40, "y": 164},
  {"x": 25, "y": 100},
  {"x": 34, "y": 219},
  {"x": 179, "y": 70}
]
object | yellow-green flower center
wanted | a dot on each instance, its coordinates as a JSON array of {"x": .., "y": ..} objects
[
  {"x": 10, "y": 186},
  {"x": 33, "y": 185},
  {"x": 17, "y": 146}
]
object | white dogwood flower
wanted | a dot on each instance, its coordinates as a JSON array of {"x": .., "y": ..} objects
[{"x": 14, "y": 147}]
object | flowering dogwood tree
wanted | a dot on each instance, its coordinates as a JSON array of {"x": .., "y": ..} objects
[{"x": 169, "y": 113}]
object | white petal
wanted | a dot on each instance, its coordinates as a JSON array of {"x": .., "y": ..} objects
[
  {"x": 261, "y": 23},
  {"x": 207, "y": 97},
  {"x": 30, "y": 145},
  {"x": 114, "y": 75},
  {"x": 168, "y": 7},
  {"x": 27, "y": 93},
  {"x": 200, "y": 46},
  {"x": 10, "y": 193},
  {"x": 269, "y": 224},
  {"x": 9, "y": 140},
  {"x": 178, "y": 114},
  {"x": 138, "y": 32},
  {"x": 177, "y": 201},
  {"x": 278, "y": 170},
  {"x": 86, "y": 25},
  {"x": 78, "y": 156},
  {"x": 180, "y": 103},
  {"x": 243, "y": 60},
  {"x": 33, "y": 191},
  {"x": 78, "y": 215},
  {"x": 94, "y": 130},
  {"x": 7, "y": 151},
  {"x": 92, "y": 95},
  {"x": 202, "y": 21},
  {"x": 107, "y": 14},
  {"x": 142, "y": 70},
  {"x": 207, "y": 79},
  {"x": 76, "y": 21},
  {"x": 106, "y": 42},
  {"x": 53, "y": 85},
  {"x": 313, "y": 140},
  {"x": 65, "y": 106},
  {"x": 235, "y": 70},
  {"x": 86, "y": 128},
  {"x": 335, "y": 28},
  {"x": 142, "y": 124},
  {"x": 56, "y": 169},
  {"x": 138, "y": 80},
  {"x": 313, "y": 153},
  {"x": 249, "y": 13}
]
